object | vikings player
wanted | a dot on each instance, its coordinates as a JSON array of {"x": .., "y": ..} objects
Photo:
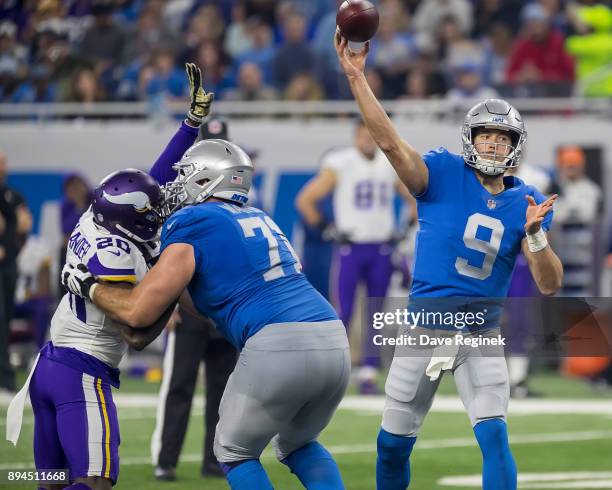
[
  {"x": 473, "y": 223},
  {"x": 363, "y": 185},
  {"x": 70, "y": 385},
  {"x": 242, "y": 272}
]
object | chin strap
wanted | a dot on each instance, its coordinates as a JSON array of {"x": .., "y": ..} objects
[
  {"x": 483, "y": 165},
  {"x": 208, "y": 190},
  {"x": 129, "y": 234}
]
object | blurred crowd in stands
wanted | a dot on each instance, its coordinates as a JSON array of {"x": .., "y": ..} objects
[{"x": 126, "y": 50}]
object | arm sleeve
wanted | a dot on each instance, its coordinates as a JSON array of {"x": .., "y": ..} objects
[
  {"x": 181, "y": 141},
  {"x": 435, "y": 162},
  {"x": 112, "y": 264}
]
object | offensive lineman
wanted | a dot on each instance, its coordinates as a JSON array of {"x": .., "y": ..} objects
[
  {"x": 473, "y": 223},
  {"x": 242, "y": 272},
  {"x": 75, "y": 420}
]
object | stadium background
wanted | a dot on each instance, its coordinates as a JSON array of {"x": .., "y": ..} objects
[{"x": 77, "y": 98}]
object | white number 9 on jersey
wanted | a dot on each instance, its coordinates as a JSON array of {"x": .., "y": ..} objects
[{"x": 488, "y": 247}]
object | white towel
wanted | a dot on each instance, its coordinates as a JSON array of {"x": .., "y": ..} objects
[
  {"x": 437, "y": 365},
  {"x": 14, "y": 414},
  {"x": 442, "y": 359}
]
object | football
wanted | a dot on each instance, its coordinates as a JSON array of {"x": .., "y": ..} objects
[{"x": 357, "y": 20}]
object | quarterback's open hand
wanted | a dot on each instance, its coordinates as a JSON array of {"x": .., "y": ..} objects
[
  {"x": 78, "y": 280},
  {"x": 200, "y": 100},
  {"x": 536, "y": 213},
  {"x": 352, "y": 63}
]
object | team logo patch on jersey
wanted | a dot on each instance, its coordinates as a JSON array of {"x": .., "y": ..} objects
[
  {"x": 491, "y": 204},
  {"x": 237, "y": 179}
]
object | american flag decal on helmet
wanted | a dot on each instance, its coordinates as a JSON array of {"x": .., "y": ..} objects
[{"x": 236, "y": 179}]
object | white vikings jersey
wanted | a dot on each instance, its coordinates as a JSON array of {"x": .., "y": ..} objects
[
  {"x": 80, "y": 324},
  {"x": 363, "y": 197}
]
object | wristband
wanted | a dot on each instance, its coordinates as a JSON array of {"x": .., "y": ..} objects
[
  {"x": 92, "y": 289},
  {"x": 537, "y": 241},
  {"x": 189, "y": 126}
]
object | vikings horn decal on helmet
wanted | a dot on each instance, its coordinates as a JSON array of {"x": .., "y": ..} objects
[
  {"x": 210, "y": 168},
  {"x": 138, "y": 199},
  {"x": 129, "y": 203},
  {"x": 496, "y": 114}
]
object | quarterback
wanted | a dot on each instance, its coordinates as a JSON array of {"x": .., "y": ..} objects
[
  {"x": 473, "y": 222},
  {"x": 75, "y": 419}
]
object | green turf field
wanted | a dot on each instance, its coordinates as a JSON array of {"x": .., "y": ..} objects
[{"x": 543, "y": 443}]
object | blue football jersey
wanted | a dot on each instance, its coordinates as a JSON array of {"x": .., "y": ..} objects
[
  {"x": 468, "y": 239},
  {"x": 247, "y": 274}
]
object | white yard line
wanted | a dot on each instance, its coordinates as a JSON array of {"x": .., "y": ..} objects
[
  {"x": 470, "y": 441},
  {"x": 195, "y": 412},
  {"x": 453, "y": 404},
  {"x": 371, "y": 447},
  {"x": 446, "y": 404},
  {"x": 373, "y": 405},
  {"x": 577, "y": 479}
]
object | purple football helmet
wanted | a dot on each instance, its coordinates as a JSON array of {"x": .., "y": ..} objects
[{"x": 128, "y": 202}]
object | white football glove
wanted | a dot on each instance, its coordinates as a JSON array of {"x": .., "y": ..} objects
[{"x": 78, "y": 280}]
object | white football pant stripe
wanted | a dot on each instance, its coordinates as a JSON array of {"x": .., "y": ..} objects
[
  {"x": 168, "y": 366},
  {"x": 94, "y": 426}
]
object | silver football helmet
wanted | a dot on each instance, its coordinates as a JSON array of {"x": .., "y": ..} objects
[
  {"x": 497, "y": 114},
  {"x": 210, "y": 168}
]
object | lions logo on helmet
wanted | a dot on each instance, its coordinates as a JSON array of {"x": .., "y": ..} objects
[{"x": 495, "y": 114}]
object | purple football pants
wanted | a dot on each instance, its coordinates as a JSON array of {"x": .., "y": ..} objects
[
  {"x": 520, "y": 313},
  {"x": 75, "y": 422},
  {"x": 355, "y": 263}
]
